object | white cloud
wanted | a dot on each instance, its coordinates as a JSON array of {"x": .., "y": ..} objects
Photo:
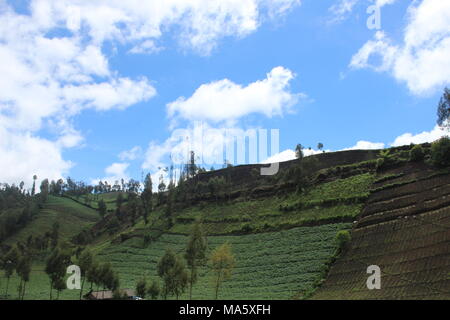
[
  {"x": 117, "y": 169},
  {"x": 199, "y": 24},
  {"x": 366, "y": 145},
  {"x": 285, "y": 155},
  {"x": 225, "y": 100},
  {"x": 422, "y": 60},
  {"x": 146, "y": 47},
  {"x": 341, "y": 10},
  {"x": 130, "y": 155},
  {"x": 23, "y": 156},
  {"x": 115, "y": 172},
  {"x": 426, "y": 136},
  {"x": 64, "y": 73},
  {"x": 381, "y": 3}
]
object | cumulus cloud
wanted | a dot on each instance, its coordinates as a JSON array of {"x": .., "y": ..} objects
[
  {"x": 422, "y": 60},
  {"x": 45, "y": 79},
  {"x": 426, "y": 136},
  {"x": 282, "y": 156},
  {"x": 225, "y": 100},
  {"x": 366, "y": 145},
  {"x": 53, "y": 66},
  {"x": 115, "y": 172},
  {"x": 23, "y": 155}
]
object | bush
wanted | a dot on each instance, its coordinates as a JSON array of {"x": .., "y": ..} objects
[
  {"x": 416, "y": 153},
  {"x": 440, "y": 152},
  {"x": 343, "y": 239},
  {"x": 379, "y": 163},
  {"x": 246, "y": 228}
]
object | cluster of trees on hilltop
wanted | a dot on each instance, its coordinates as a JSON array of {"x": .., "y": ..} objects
[{"x": 17, "y": 208}]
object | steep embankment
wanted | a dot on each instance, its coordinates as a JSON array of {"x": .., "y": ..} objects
[
  {"x": 282, "y": 240},
  {"x": 405, "y": 230},
  {"x": 71, "y": 217}
]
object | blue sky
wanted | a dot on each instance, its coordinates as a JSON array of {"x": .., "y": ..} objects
[{"x": 332, "y": 95}]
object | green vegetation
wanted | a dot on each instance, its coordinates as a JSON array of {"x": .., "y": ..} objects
[
  {"x": 273, "y": 265},
  {"x": 440, "y": 152},
  {"x": 416, "y": 153},
  {"x": 205, "y": 238},
  {"x": 71, "y": 216},
  {"x": 222, "y": 264}
]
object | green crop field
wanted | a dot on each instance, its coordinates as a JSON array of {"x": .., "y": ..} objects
[{"x": 274, "y": 265}]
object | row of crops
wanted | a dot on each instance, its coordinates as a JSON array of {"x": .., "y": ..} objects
[{"x": 275, "y": 265}]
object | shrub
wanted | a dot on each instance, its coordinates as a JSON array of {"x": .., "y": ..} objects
[
  {"x": 343, "y": 239},
  {"x": 416, "y": 153},
  {"x": 247, "y": 228},
  {"x": 440, "y": 152},
  {"x": 380, "y": 163}
]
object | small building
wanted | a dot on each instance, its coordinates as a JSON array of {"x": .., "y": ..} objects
[{"x": 128, "y": 294}]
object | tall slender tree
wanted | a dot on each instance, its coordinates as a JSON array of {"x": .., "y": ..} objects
[
  {"x": 443, "y": 111},
  {"x": 222, "y": 264},
  {"x": 85, "y": 263},
  {"x": 9, "y": 265},
  {"x": 195, "y": 253},
  {"x": 146, "y": 196}
]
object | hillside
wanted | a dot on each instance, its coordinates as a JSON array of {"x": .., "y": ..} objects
[
  {"x": 405, "y": 230},
  {"x": 282, "y": 229},
  {"x": 71, "y": 217}
]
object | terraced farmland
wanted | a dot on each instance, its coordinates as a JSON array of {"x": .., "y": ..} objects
[
  {"x": 266, "y": 214},
  {"x": 405, "y": 230},
  {"x": 274, "y": 265}
]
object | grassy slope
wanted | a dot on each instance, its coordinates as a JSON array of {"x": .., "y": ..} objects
[
  {"x": 270, "y": 265},
  {"x": 71, "y": 216},
  {"x": 264, "y": 214}
]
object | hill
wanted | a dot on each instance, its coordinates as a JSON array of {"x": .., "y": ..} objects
[
  {"x": 71, "y": 217},
  {"x": 282, "y": 228},
  {"x": 405, "y": 230}
]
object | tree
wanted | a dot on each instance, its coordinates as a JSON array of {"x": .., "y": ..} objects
[
  {"x": 23, "y": 271},
  {"x": 195, "y": 254},
  {"x": 299, "y": 151},
  {"x": 44, "y": 190},
  {"x": 154, "y": 290},
  {"x": 161, "y": 189},
  {"x": 320, "y": 146},
  {"x": 108, "y": 278},
  {"x": 222, "y": 264},
  {"x": 59, "y": 286},
  {"x": 85, "y": 263},
  {"x": 443, "y": 111},
  {"x": 9, "y": 265},
  {"x": 33, "y": 189},
  {"x": 146, "y": 196},
  {"x": 56, "y": 269},
  {"x": 119, "y": 200},
  {"x": 102, "y": 207},
  {"x": 141, "y": 288},
  {"x": 93, "y": 275},
  {"x": 192, "y": 167},
  {"x": 173, "y": 273},
  {"x": 440, "y": 152},
  {"x": 54, "y": 236},
  {"x": 416, "y": 153}
]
